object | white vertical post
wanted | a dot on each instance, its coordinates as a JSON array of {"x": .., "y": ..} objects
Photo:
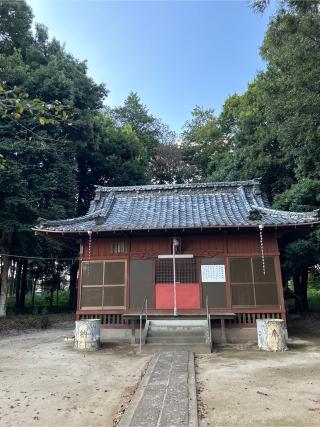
[
  {"x": 174, "y": 243},
  {"x": 140, "y": 332}
]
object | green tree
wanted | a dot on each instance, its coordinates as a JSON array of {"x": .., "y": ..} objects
[
  {"x": 254, "y": 149},
  {"x": 272, "y": 130},
  {"x": 33, "y": 183},
  {"x": 298, "y": 258},
  {"x": 38, "y": 151},
  {"x": 202, "y": 141},
  {"x": 293, "y": 5},
  {"x": 15, "y": 25},
  {"x": 168, "y": 166},
  {"x": 291, "y": 86},
  {"x": 150, "y": 130},
  {"x": 49, "y": 165},
  {"x": 113, "y": 156}
]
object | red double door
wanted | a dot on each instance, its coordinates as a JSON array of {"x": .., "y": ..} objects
[{"x": 188, "y": 296}]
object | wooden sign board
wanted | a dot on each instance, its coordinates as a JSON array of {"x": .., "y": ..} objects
[{"x": 213, "y": 273}]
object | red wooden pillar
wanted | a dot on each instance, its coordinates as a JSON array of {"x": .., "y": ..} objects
[
  {"x": 226, "y": 263},
  {"x": 280, "y": 288}
]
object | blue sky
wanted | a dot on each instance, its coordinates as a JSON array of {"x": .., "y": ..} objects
[{"x": 175, "y": 55}]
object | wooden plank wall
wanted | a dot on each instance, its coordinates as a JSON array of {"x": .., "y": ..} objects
[{"x": 198, "y": 245}]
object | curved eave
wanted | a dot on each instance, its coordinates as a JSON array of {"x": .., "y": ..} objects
[{"x": 214, "y": 227}]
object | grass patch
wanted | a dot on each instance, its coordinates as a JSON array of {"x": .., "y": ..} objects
[
  {"x": 24, "y": 322},
  {"x": 21, "y": 323}
]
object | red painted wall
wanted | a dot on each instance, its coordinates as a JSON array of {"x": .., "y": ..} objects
[
  {"x": 198, "y": 245},
  {"x": 187, "y": 295}
]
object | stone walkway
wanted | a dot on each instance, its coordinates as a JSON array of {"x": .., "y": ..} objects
[{"x": 166, "y": 396}]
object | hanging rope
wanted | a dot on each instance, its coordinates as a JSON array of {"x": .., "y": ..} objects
[
  {"x": 262, "y": 249},
  {"x": 89, "y": 249}
]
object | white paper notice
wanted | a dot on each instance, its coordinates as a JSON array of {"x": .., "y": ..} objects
[{"x": 213, "y": 273}]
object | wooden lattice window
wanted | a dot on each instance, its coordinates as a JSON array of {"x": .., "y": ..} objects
[
  {"x": 186, "y": 271},
  {"x": 119, "y": 247},
  {"x": 249, "y": 286},
  {"x": 103, "y": 284}
]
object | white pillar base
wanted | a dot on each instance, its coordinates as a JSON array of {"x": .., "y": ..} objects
[
  {"x": 87, "y": 335},
  {"x": 272, "y": 335}
]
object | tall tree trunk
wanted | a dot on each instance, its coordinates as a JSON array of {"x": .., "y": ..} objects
[
  {"x": 51, "y": 297},
  {"x": 23, "y": 289},
  {"x": 73, "y": 285},
  {"x": 34, "y": 284},
  {"x": 18, "y": 282},
  {"x": 304, "y": 289},
  {"x": 4, "y": 283},
  {"x": 296, "y": 278},
  {"x": 12, "y": 270}
]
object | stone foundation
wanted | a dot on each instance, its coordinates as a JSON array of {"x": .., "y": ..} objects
[
  {"x": 116, "y": 334},
  {"x": 234, "y": 335}
]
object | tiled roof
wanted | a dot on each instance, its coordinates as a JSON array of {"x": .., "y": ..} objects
[{"x": 188, "y": 206}]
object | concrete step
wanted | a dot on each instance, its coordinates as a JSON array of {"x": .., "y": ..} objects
[
  {"x": 170, "y": 333},
  {"x": 176, "y": 329},
  {"x": 178, "y": 322},
  {"x": 196, "y": 348},
  {"x": 175, "y": 340},
  {"x": 184, "y": 334}
]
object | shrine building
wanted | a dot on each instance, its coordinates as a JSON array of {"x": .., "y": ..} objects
[{"x": 181, "y": 250}]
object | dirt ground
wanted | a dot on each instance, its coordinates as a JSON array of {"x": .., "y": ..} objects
[
  {"x": 242, "y": 386},
  {"x": 44, "y": 382}
]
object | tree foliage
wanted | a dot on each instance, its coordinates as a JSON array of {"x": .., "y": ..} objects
[
  {"x": 168, "y": 166},
  {"x": 150, "y": 130},
  {"x": 56, "y": 139},
  {"x": 272, "y": 130},
  {"x": 15, "y": 25},
  {"x": 202, "y": 140}
]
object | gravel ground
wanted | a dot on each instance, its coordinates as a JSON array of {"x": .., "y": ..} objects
[
  {"x": 44, "y": 382},
  {"x": 241, "y": 386}
]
